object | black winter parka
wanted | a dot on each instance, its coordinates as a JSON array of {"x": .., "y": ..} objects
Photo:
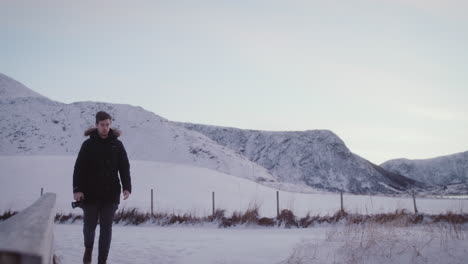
[{"x": 97, "y": 167}]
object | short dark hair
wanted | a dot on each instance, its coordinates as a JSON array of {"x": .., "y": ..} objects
[{"x": 101, "y": 115}]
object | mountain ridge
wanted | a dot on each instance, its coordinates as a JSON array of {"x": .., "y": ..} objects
[
  {"x": 36, "y": 125},
  {"x": 32, "y": 124},
  {"x": 442, "y": 170},
  {"x": 11, "y": 88},
  {"x": 318, "y": 158}
]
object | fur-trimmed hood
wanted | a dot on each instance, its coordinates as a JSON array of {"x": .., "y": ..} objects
[{"x": 93, "y": 130}]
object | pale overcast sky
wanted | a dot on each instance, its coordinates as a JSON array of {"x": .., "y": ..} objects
[{"x": 389, "y": 77}]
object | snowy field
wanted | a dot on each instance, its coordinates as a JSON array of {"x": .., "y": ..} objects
[
  {"x": 322, "y": 244},
  {"x": 187, "y": 189}
]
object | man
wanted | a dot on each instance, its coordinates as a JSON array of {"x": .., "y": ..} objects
[{"x": 96, "y": 183}]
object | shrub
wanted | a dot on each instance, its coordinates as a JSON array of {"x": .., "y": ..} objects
[
  {"x": 287, "y": 218},
  {"x": 7, "y": 214}
]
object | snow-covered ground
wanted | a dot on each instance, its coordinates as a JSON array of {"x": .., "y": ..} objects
[
  {"x": 188, "y": 189},
  {"x": 147, "y": 244},
  {"x": 322, "y": 244}
]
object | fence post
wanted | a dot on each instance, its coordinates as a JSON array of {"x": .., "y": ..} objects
[
  {"x": 151, "y": 201},
  {"x": 277, "y": 204},
  {"x": 414, "y": 202},
  {"x": 42, "y": 191},
  {"x": 341, "y": 200},
  {"x": 213, "y": 199}
]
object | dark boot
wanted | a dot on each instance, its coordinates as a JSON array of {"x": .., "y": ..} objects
[
  {"x": 87, "y": 256},
  {"x": 102, "y": 261}
]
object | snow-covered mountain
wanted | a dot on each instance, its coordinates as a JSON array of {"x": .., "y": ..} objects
[
  {"x": 445, "y": 170},
  {"x": 31, "y": 124},
  {"x": 318, "y": 158},
  {"x": 10, "y": 88}
]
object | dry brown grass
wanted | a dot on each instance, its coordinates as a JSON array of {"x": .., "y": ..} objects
[
  {"x": 250, "y": 216},
  {"x": 308, "y": 220},
  {"x": 7, "y": 214},
  {"x": 286, "y": 218},
  {"x": 451, "y": 218},
  {"x": 62, "y": 218},
  {"x": 131, "y": 216}
]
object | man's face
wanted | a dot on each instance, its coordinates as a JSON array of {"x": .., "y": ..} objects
[{"x": 103, "y": 127}]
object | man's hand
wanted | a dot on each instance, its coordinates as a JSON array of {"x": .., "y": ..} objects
[
  {"x": 126, "y": 194},
  {"x": 78, "y": 196}
]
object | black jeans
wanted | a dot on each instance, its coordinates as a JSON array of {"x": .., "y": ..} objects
[{"x": 105, "y": 212}]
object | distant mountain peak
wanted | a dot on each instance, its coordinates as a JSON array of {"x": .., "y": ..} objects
[
  {"x": 449, "y": 169},
  {"x": 10, "y": 88},
  {"x": 317, "y": 158}
]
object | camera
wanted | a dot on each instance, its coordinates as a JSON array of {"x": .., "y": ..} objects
[{"x": 77, "y": 204}]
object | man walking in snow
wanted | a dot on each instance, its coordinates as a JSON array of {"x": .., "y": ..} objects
[{"x": 96, "y": 183}]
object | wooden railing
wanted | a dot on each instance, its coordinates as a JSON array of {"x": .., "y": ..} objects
[{"x": 28, "y": 237}]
